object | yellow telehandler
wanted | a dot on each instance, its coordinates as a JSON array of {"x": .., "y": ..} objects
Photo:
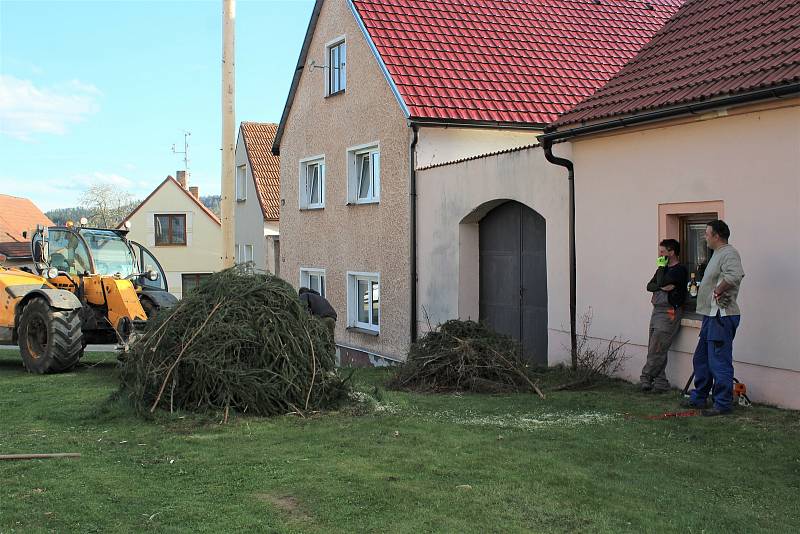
[{"x": 87, "y": 285}]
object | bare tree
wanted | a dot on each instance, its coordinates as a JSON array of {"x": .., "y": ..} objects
[{"x": 107, "y": 205}]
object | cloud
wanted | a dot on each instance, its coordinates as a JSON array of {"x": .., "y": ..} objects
[{"x": 27, "y": 110}]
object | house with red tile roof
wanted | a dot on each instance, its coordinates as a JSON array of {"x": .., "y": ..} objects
[
  {"x": 386, "y": 88},
  {"x": 703, "y": 123},
  {"x": 183, "y": 234},
  {"x": 258, "y": 189},
  {"x": 18, "y": 216}
]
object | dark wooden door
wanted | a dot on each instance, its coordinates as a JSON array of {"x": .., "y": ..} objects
[{"x": 513, "y": 276}]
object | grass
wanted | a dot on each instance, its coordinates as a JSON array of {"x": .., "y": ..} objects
[{"x": 578, "y": 461}]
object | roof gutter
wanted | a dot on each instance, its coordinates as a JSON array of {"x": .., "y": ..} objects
[
  {"x": 547, "y": 145},
  {"x": 551, "y": 134},
  {"x": 461, "y": 123}
]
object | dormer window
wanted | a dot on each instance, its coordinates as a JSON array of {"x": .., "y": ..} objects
[{"x": 336, "y": 59}]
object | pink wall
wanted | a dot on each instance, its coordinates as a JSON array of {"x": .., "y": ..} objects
[{"x": 748, "y": 164}]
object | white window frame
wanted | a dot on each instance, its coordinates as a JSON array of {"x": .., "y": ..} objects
[
  {"x": 238, "y": 253},
  {"x": 352, "y": 304},
  {"x": 305, "y": 197},
  {"x": 341, "y": 40},
  {"x": 241, "y": 183},
  {"x": 305, "y": 278},
  {"x": 373, "y": 150}
]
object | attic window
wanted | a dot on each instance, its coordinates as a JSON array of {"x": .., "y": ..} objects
[{"x": 335, "y": 61}]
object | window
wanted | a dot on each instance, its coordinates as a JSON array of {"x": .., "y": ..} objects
[
  {"x": 335, "y": 61},
  {"x": 241, "y": 183},
  {"x": 694, "y": 249},
  {"x": 313, "y": 279},
  {"x": 170, "y": 229},
  {"x": 191, "y": 281},
  {"x": 68, "y": 253},
  {"x": 312, "y": 183},
  {"x": 364, "y": 301},
  {"x": 244, "y": 254},
  {"x": 364, "y": 174}
]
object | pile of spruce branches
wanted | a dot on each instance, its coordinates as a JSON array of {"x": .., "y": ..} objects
[
  {"x": 240, "y": 341},
  {"x": 464, "y": 356}
]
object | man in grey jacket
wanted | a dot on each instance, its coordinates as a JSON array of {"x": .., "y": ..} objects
[{"x": 716, "y": 301}]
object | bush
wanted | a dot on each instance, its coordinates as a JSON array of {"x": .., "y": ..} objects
[{"x": 239, "y": 341}]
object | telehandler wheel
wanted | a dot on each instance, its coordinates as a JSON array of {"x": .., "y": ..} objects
[
  {"x": 50, "y": 340},
  {"x": 150, "y": 309}
]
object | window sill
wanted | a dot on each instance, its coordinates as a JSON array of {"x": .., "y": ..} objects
[
  {"x": 312, "y": 208},
  {"x": 241, "y": 200},
  {"x": 692, "y": 320},
  {"x": 365, "y": 331},
  {"x": 363, "y": 202},
  {"x": 170, "y": 245},
  {"x": 339, "y": 92}
]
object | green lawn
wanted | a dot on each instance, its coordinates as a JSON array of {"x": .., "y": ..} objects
[{"x": 578, "y": 461}]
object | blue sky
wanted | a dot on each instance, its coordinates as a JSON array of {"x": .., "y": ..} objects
[{"x": 99, "y": 91}]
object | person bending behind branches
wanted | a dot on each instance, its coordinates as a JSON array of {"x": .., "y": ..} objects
[
  {"x": 319, "y": 306},
  {"x": 668, "y": 287}
]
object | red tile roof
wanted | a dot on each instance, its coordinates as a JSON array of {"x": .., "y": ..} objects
[
  {"x": 167, "y": 180},
  {"x": 266, "y": 168},
  {"x": 18, "y": 215},
  {"x": 709, "y": 49},
  {"x": 508, "y": 61},
  {"x": 15, "y": 250}
]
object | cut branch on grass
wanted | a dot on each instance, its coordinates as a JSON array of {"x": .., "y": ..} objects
[{"x": 465, "y": 356}]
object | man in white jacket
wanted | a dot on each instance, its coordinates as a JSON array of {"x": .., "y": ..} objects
[{"x": 716, "y": 302}]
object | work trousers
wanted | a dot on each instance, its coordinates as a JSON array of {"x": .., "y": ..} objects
[
  {"x": 713, "y": 362},
  {"x": 664, "y": 324}
]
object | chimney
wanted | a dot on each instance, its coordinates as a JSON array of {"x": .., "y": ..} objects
[{"x": 183, "y": 178}]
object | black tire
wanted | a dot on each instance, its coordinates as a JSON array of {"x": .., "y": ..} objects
[
  {"x": 149, "y": 307},
  {"x": 50, "y": 340}
]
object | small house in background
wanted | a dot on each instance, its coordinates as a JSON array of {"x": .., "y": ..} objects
[
  {"x": 183, "y": 234},
  {"x": 19, "y": 217},
  {"x": 257, "y": 209}
]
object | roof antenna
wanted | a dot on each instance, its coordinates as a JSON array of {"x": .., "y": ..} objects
[{"x": 186, "y": 134}]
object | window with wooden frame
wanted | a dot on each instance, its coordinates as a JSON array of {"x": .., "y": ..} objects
[
  {"x": 191, "y": 281},
  {"x": 694, "y": 249},
  {"x": 170, "y": 229},
  {"x": 335, "y": 61},
  {"x": 364, "y": 174}
]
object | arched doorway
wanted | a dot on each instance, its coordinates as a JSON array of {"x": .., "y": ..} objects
[{"x": 513, "y": 276}]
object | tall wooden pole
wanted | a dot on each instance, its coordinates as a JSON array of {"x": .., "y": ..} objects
[{"x": 228, "y": 131}]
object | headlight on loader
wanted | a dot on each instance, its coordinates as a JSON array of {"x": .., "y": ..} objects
[
  {"x": 52, "y": 272},
  {"x": 152, "y": 275}
]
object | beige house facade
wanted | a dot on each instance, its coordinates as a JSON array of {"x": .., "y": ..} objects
[
  {"x": 183, "y": 235},
  {"x": 257, "y": 190},
  {"x": 338, "y": 237}
]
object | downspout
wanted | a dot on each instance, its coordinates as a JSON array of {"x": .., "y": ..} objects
[
  {"x": 413, "y": 194},
  {"x": 547, "y": 145}
]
